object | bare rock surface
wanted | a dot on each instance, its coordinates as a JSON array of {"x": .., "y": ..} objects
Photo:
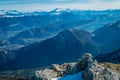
[{"x": 90, "y": 69}]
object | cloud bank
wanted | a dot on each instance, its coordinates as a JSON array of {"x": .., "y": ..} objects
[{"x": 31, "y": 5}]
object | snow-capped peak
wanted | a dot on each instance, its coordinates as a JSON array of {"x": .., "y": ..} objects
[
  {"x": 60, "y": 10},
  {"x": 2, "y": 13},
  {"x": 15, "y": 13}
]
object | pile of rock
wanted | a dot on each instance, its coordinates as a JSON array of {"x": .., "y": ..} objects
[
  {"x": 90, "y": 68},
  {"x": 55, "y": 71}
]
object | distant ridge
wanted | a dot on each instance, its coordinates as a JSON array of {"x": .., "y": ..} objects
[{"x": 68, "y": 45}]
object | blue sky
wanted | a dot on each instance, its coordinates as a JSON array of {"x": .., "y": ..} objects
[{"x": 32, "y": 5}]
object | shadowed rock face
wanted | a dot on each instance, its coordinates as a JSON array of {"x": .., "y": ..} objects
[{"x": 90, "y": 69}]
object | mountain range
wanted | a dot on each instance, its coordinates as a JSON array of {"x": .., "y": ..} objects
[
  {"x": 68, "y": 45},
  {"x": 63, "y": 35}
]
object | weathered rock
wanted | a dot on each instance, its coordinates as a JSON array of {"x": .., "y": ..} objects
[
  {"x": 55, "y": 71},
  {"x": 83, "y": 62},
  {"x": 99, "y": 73},
  {"x": 90, "y": 68},
  {"x": 95, "y": 71},
  {"x": 46, "y": 74}
]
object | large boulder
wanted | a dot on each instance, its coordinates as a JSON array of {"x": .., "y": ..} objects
[
  {"x": 98, "y": 72},
  {"x": 45, "y": 74}
]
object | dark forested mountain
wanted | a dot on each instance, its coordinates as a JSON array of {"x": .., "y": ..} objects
[
  {"x": 68, "y": 45},
  {"x": 113, "y": 57},
  {"x": 32, "y": 35},
  {"x": 108, "y": 37}
]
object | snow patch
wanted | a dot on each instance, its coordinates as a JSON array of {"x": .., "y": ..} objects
[
  {"x": 77, "y": 76},
  {"x": 57, "y": 13},
  {"x": 14, "y": 25},
  {"x": 2, "y": 13}
]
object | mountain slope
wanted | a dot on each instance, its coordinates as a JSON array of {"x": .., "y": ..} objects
[
  {"x": 68, "y": 45},
  {"x": 32, "y": 35},
  {"x": 113, "y": 57},
  {"x": 108, "y": 37}
]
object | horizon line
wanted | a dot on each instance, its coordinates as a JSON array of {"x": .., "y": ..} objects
[{"x": 61, "y": 9}]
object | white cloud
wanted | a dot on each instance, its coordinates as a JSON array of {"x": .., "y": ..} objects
[
  {"x": 60, "y": 0},
  {"x": 93, "y": 4}
]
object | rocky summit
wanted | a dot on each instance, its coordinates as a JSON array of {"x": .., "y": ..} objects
[{"x": 85, "y": 69}]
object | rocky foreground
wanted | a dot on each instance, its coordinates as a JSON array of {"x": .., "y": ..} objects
[{"x": 86, "y": 69}]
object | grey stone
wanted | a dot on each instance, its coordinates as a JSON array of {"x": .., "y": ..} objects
[{"x": 91, "y": 69}]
